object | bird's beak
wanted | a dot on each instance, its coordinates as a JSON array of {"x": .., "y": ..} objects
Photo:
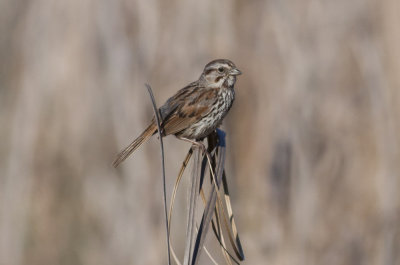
[{"x": 235, "y": 71}]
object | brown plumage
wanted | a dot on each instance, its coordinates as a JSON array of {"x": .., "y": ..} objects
[{"x": 197, "y": 109}]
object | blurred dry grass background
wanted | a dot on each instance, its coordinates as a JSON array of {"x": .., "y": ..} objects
[{"x": 313, "y": 137}]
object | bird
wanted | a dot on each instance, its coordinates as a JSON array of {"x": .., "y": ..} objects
[{"x": 196, "y": 110}]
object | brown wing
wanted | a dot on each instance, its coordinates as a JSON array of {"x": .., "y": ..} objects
[{"x": 186, "y": 107}]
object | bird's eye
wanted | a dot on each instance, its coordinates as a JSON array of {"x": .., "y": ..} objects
[{"x": 221, "y": 69}]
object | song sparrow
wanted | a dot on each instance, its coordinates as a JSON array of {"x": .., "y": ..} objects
[{"x": 196, "y": 110}]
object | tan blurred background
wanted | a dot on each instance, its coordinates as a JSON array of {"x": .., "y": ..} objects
[{"x": 313, "y": 137}]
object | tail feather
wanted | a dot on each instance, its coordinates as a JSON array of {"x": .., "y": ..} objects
[{"x": 135, "y": 144}]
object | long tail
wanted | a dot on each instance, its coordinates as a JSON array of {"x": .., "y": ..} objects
[{"x": 135, "y": 144}]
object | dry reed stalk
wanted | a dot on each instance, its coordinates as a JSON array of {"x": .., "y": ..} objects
[
  {"x": 156, "y": 114},
  {"x": 214, "y": 207}
]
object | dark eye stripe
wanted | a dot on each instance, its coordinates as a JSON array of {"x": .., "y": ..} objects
[
  {"x": 209, "y": 71},
  {"x": 215, "y": 67}
]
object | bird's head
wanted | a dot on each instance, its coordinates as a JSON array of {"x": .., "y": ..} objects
[{"x": 220, "y": 72}]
